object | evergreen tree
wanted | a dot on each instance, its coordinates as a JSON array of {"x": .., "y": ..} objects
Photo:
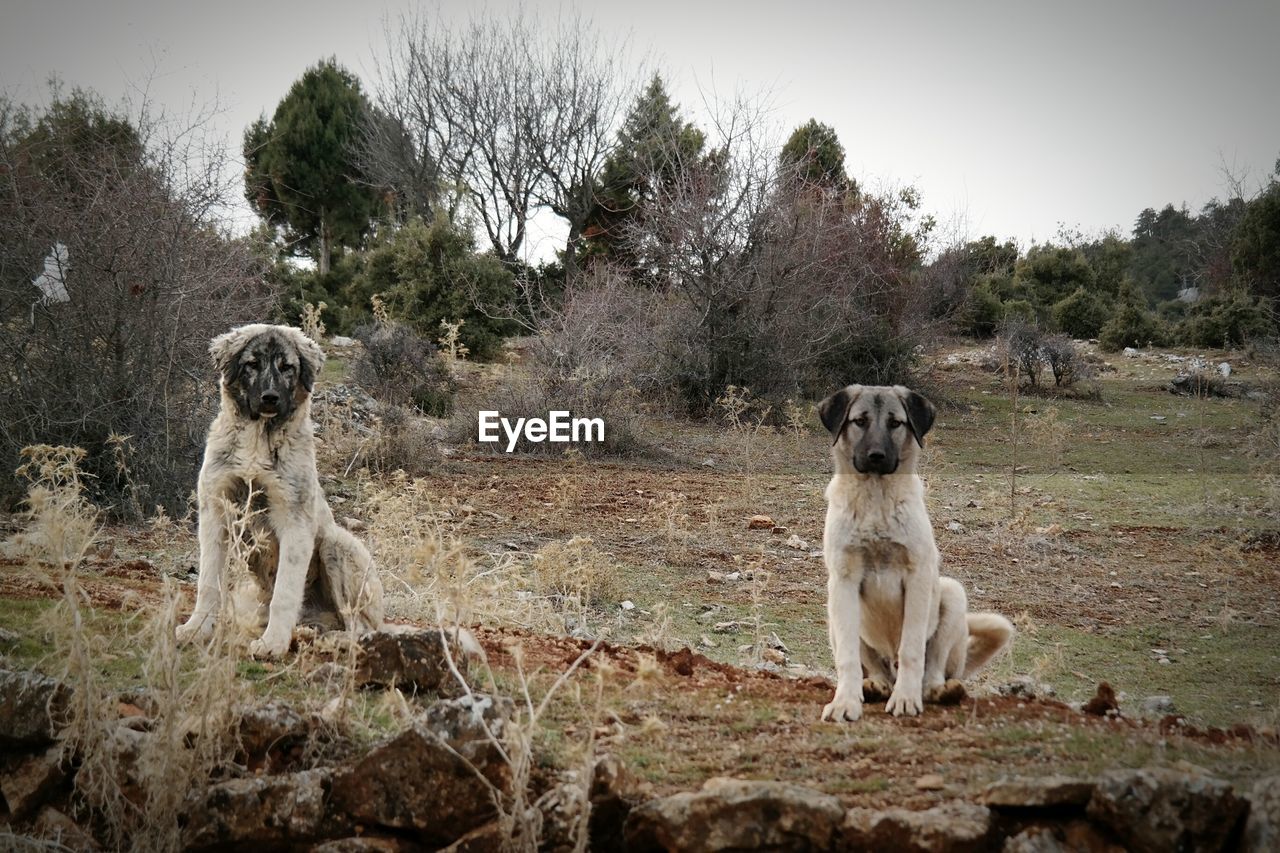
[
  {"x": 655, "y": 147},
  {"x": 1255, "y": 249},
  {"x": 815, "y": 155},
  {"x": 301, "y": 172}
]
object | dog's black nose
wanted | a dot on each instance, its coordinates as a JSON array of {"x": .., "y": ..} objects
[
  {"x": 270, "y": 398},
  {"x": 875, "y": 457}
]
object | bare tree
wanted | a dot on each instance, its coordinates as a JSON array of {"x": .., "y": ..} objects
[{"x": 505, "y": 116}]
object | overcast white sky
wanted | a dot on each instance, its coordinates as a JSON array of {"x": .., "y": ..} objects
[{"x": 1010, "y": 116}]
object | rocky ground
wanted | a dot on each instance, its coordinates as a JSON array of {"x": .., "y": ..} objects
[{"x": 645, "y": 660}]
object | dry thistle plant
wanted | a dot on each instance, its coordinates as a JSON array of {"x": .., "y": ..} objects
[
  {"x": 450, "y": 340},
  {"x": 312, "y": 324},
  {"x": 60, "y": 523},
  {"x": 381, "y": 317},
  {"x": 798, "y": 418}
]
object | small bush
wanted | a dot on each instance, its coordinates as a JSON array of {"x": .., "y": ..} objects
[
  {"x": 1018, "y": 312},
  {"x": 1065, "y": 361},
  {"x": 1082, "y": 314},
  {"x": 401, "y": 368},
  {"x": 402, "y": 442},
  {"x": 1022, "y": 343},
  {"x": 981, "y": 313},
  {"x": 1131, "y": 326},
  {"x": 1226, "y": 322}
]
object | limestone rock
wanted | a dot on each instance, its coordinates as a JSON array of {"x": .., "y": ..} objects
[
  {"x": 291, "y": 807},
  {"x": 1161, "y": 809},
  {"x": 412, "y": 659},
  {"x": 428, "y": 778},
  {"x": 29, "y": 784},
  {"x": 954, "y": 827},
  {"x": 733, "y": 814},
  {"x": 29, "y": 704},
  {"x": 1047, "y": 792},
  {"x": 1262, "y": 831}
]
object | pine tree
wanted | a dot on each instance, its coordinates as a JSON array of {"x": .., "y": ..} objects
[
  {"x": 301, "y": 173},
  {"x": 814, "y": 155},
  {"x": 655, "y": 146}
]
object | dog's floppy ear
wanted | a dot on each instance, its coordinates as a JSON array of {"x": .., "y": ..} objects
[
  {"x": 835, "y": 409},
  {"x": 310, "y": 358},
  {"x": 920, "y": 412},
  {"x": 224, "y": 349}
]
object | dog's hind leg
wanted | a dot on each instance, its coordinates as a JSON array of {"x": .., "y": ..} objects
[
  {"x": 351, "y": 580},
  {"x": 944, "y": 656},
  {"x": 212, "y": 534}
]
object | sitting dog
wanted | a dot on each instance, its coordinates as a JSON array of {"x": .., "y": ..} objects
[
  {"x": 261, "y": 452},
  {"x": 889, "y": 613}
]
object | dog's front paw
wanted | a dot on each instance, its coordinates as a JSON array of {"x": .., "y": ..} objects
[
  {"x": 875, "y": 690},
  {"x": 843, "y": 710},
  {"x": 268, "y": 647},
  {"x": 193, "y": 630},
  {"x": 903, "y": 705}
]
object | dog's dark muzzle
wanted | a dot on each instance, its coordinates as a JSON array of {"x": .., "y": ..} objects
[{"x": 875, "y": 462}]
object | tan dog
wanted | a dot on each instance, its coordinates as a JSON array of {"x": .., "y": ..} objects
[
  {"x": 262, "y": 442},
  {"x": 889, "y": 613}
]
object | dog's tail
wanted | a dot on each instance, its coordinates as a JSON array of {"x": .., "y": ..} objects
[{"x": 989, "y": 633}]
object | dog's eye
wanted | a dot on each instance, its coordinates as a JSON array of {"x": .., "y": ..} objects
[
  {"x": 285, "y": 368},
  {"x": 861, "y": 421},
  {"x": 893, "y": 423}
]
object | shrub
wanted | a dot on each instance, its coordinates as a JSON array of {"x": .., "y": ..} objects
[
  {"x": 1022, "y": 343},
  {"x": 593, "y": 356},
  {"x": 1131, "y": 326},
  {"x": 1082, "y": 314},
  {"x": 1018, "y": 312},
  {"x": 431, "y": 272},
  {"x": 117, "y": 361},
  {"x": 1065, "y": 361},
  {"x": 981, "y": 313},
  {"x": 401, "y": 368},
  {"x": 1227, "y": 322}
]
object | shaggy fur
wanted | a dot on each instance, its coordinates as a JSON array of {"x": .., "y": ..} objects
[
  {"x": 262, "y": 444},
  {"x": 889, "y": 613}
]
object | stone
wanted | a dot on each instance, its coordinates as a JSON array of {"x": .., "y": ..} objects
[
  {"x": 28, "y": 785},
  {"x": 436, "y": 777},
  {"x": 29, "y": 705},
  {"x": 760, "y": 522},
  {"x": 954, "y": 827},
  {"x": 291, "y": 807},
  {"x": 1026, "y": 687},
  {"x": 1262, "y": 830},
  {"x": 796, "y": 543},
  {"x": 734, "y": 814},
  {"x": 1076, "y": 836},
  {"x": 1038, "y": 793},
  {"x": 1158, "y": 706},
  {"x": 411, "y": 659},
  {"x": 274, "y": 725},
  {"x": 53, "y": 825},
  {"x": 930, "y": 782},
  {"x": 614, "y": 791},
  {"x": 1160, "y": 809},
  {"x": 342, "y": 341}
]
